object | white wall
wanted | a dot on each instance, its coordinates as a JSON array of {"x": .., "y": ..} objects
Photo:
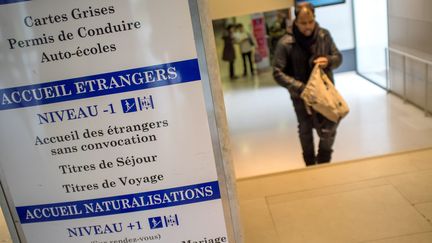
[
  {"x": 338, "y": 19},
  {"x": 410, "y": 24},
  {"x": 220, "y": 9}
]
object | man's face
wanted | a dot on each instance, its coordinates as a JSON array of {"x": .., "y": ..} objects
[{"x": 305, "y": 22}]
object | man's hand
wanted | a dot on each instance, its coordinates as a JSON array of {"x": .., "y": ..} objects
[
  {"x": 296, "y": 88},
  {"x": 322, "y": 62}
]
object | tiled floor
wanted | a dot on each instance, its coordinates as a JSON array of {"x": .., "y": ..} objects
[
  {"x": 263, "y": 125},
  {"x": 386, "y": 199}
]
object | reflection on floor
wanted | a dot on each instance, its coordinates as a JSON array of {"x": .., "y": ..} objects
[
  {"x": 263, "y": 126},
  {"x": 379, "y": 200}
]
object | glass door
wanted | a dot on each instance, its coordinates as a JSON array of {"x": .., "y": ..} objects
[{"x": 371, "y": 36}]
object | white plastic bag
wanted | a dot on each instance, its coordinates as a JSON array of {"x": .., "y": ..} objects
[{"x": 322, "y": 96}]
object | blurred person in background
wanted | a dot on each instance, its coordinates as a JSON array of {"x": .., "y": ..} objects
[
  {"x": 246, "y": 43},
  {"x": 228, "y": 54},
  {"x": 276, "y": 31}
]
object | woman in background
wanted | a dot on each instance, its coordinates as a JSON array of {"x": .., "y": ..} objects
[{"x": 228, "y": 49}]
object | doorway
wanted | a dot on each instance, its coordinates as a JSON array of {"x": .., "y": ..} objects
[{"x": 371, "y": 38}]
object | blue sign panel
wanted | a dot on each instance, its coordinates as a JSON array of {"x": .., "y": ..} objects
[
  {"x": 319, "y": 3},
  {"x": 12, "y": 1}
]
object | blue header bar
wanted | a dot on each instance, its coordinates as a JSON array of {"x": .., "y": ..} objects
[
  {"x": 120, "y": 204},
  {"x": 100, "y": 85},
  {"x": 12, "y": 1}
]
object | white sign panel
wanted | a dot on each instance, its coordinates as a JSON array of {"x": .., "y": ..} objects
[{"x": 104, "y": 130}]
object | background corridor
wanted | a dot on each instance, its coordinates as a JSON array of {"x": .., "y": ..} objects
[{"x": 263, "y": 125}]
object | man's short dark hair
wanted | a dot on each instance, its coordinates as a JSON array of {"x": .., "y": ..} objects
[{"x": 303, "y": 5}]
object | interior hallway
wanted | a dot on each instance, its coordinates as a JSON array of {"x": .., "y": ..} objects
[
  {"x": 263, "y": 125},
  {"x": 382, "y": 193}
]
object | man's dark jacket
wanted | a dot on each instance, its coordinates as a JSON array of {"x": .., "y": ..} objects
[{"x": 292, "y": 64}]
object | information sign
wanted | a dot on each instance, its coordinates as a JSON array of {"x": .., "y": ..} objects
[{"x": 104, "y": 129}]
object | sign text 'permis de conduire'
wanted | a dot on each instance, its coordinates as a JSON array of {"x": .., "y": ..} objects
[{"x": 81, "y": 32}]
